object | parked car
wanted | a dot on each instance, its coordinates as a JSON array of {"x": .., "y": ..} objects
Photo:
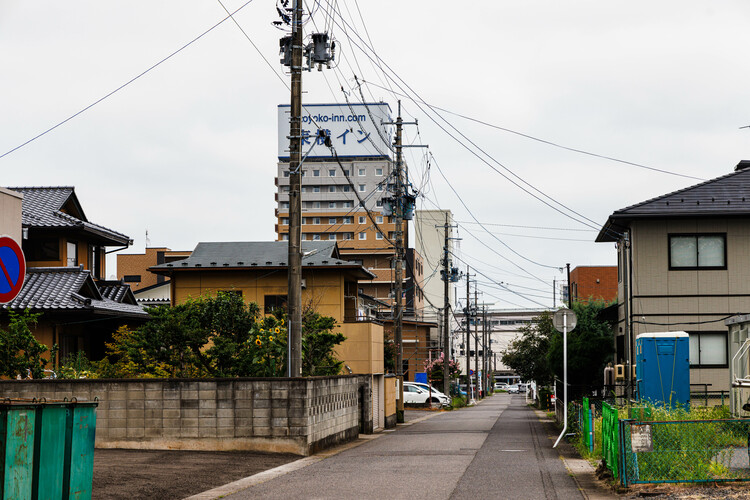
[
  {"x": 426, "y": 387},
  {"x": 414, "y": 394},
  {"x": 501, "y": 386},
  {"x": 513, "y": 389}
]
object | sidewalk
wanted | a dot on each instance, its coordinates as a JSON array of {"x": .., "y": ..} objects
[{"x": 497, "y": 449}]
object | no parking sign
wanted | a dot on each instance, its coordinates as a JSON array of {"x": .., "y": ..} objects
[{"x": 12, "y": 269}]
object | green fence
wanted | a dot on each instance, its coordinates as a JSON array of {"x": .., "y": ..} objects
[
  {"x": 684, "y": 451},
  {"x": 610, "y": 438}
]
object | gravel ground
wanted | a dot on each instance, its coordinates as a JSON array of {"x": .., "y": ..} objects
[
  {"x": 157, "y": 475},
  {"x": 730, "y": 491}
]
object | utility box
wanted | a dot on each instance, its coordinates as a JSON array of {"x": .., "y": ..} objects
[{"x": 663, "y": 368}]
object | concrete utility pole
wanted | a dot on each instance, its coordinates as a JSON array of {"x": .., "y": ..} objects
[
  {"x": 467, "y": 315},
  {"x": 476, "y": 340},
  {"x": 446, "y": 311},
  {"x": 625, "y": 242},
  {"x": 294, "y": 293},
  {"x": 570, "y": 288},
  {"x": 485, "y": 357},
  {"x": 397, "y": 306}
]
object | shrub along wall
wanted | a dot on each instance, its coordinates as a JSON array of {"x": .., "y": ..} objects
[{"x": 299, "y": 415}]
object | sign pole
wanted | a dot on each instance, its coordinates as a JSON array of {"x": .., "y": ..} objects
[{"x": 560, "y": 321}]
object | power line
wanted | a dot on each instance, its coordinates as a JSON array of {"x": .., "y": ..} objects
[{"x": 127, "y": 83}]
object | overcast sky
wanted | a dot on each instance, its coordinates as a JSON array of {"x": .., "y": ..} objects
[{"x": 188, "y": 150}]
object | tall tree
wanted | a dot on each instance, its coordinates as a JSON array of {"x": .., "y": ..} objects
[{"x": 527, "y": 354}]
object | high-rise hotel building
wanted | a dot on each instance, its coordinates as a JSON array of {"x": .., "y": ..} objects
[{"x": 343, "y": 186}]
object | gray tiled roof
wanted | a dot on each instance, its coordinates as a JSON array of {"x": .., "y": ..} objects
[
  {"x": 42, "y": 206},
  {"x": 728, "y": 195},
  {"x": 117, "y": 291},
  {"x": 260, "y": 254},
  {"x": 67, "y": 289}
]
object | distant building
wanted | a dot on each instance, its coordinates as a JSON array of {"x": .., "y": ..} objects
[
  {"x": 592, "y": 283},
  {"x": 132, "y": 268}
]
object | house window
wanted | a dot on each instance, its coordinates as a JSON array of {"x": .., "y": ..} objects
[
  {"x": 362, "y": 236},
  {"x": 132, "y": 278},
  {"x": 332, "y": 172},
  {"x": 41, "y": 248},
  {"x": 697, "y": 251},
  {"x": 72, "y": 254},
  {"x": 332, "y": 220},
  {"x": 379, "y": 171},
  {"x": 361, "y": 219},
  {"x": 273, "y": 302},
  {"x": 362, "y": 188},
  {"x": 708, "y": 349}
]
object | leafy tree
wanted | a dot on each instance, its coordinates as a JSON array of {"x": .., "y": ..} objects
[
  {"x": 527, "y": 354},
  {"x": 20, "y": 353},
  {"x": 590, "y": 346},
  {"x": 318, "y": 342}
]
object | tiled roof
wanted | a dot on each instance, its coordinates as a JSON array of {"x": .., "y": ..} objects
[
  {"x": 117, "y": 291},
  {"x": 67, "y": 288},
  {"x": 263, "y": 254},
  {"x": 728, "y": 195},
  {"x": 42, "y": 208}
]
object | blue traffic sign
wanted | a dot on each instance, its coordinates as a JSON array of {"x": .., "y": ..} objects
[
  {"x": 12, "y": 269},
  {"x": 471, "y": 372}
]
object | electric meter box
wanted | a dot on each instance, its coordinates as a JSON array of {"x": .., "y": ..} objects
[{"x": 663, "y": 368}]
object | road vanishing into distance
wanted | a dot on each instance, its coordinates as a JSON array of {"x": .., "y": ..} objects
[{"x": 497, "y": 449}]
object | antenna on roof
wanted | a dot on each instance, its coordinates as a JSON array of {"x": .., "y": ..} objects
[{"x": 148, "y": 242}]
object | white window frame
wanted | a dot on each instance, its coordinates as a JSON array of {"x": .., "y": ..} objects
[
  {"x": 361, "y": 219},
  {"x": 362, "y": 236},
  {"x": 363, "y": 188}
]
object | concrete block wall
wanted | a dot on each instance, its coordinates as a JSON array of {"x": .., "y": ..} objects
[{"x": 299, "y": 416}]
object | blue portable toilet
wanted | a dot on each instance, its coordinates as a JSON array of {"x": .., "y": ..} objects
[{"x": 663, "y": 368}]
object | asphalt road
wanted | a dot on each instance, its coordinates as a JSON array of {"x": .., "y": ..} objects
[{"x": 497, "y": 449}]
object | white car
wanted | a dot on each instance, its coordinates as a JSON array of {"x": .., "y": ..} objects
[
  {"x": 435, "y": 391},
  {"x": 418, "y": 395},
  {"x": 501, "y": 386},
  {"x": 513, "y": 389}
]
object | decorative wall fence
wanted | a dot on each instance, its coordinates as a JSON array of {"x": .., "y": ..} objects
[{"x": 299, "y": 415}]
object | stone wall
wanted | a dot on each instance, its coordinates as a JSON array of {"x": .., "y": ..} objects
[{"x": 300, "y": 415}]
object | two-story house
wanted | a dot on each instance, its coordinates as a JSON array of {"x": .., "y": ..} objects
[
  {"x": 65, "y": 261},
  {"x": 684, "y": 265}
]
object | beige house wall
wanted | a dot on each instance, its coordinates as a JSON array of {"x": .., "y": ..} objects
[
  {"x": 689, "y": 300},
  {"x": 10, "y": 214}
]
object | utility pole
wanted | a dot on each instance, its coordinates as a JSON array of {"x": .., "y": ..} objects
[
  {"x": 398, "y": 307},
  {"x": 446, "y": 309},
  {"x": 485, "y": 357},
  {"x": 570, "y": 288},
  {"x": 476, "y": 339},
  {"x": 294, "y": 293},
  {"x": 625, "y": 242},
  {"x": 467, "y": 348},
  {"x": 554, "y": 293}
]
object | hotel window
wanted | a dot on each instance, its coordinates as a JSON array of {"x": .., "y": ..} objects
[
  {"x": 347, "y": 220},
  {"x": 316, "y": 204},
  {"x": 316, "y": 220},
  {"x": 346, "y": 172},
  {"x": 361, "y": 172},
  {"x": 697, "y": 251},
  {"x": 316, "y": 173},
  {"x": 379, "y": 171},
  {"x": 332, "y": 236},
  {"x": 332, "y": 172},
  {"x": 362, "y": 188},
  {"x": 316, "y": 237},
  {"x": 379, "y": 236},
  {"x": 708, "y": 349},
  {"x": 304, "y": 220},
  {"x": 362, "y": 236},
  {"x": 347, "y": 236},
  {"x": 331, "y": 189},
  {"x": 331, "y": 204},
  {"x": 345, "y": 188},
  {"x": 303, "y": 189},
  {"x": 316, "y": 189},
  {"x": 361, "y": 219},
  {"x": 332, "y": 220},
  {"x": 379, "y": 219},
  {"x": 285, "y": 204},
  {"x": 285, "y": 221},
  {"x": 347, "y": 204}
]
